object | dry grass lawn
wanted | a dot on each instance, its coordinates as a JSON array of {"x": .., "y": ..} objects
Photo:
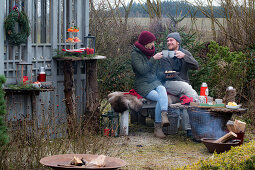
[{"x": 144, "y": 151}]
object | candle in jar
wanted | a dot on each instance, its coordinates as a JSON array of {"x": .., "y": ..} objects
[
  {"x": 25, "y": 78},
  {"x": 91, "y": 51}
]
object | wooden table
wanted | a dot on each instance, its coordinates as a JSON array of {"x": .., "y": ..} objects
[{"x": 92, "y": 90}]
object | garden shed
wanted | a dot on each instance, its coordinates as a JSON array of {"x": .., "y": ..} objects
[{"x": 48, "y": 24}]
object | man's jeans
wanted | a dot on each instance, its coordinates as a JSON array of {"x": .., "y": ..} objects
[
  {"x": 179, "y": 88},
  {"x": 160, "y": 96}
]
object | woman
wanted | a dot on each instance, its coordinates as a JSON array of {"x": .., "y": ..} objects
[{"x": 146, "y": 65}]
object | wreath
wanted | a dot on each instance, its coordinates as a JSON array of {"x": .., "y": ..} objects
[{"x": 17, "y": 38}]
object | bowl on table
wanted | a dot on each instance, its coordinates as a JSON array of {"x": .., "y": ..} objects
[
  {"x": 233, "y": 107},
  {"x": 170, "y": 74}
]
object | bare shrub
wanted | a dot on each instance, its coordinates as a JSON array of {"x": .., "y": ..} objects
[
  {"x": 46, "y": 135},
  {"x": 237, "y": 28},
  {"x": 115, "y": 39}
]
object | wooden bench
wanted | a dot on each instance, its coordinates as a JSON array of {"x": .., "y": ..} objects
[
  {"x": 196, "y": 114},
  {"x": 141, "y": 115},
  {"x": 135, "y": 116}
]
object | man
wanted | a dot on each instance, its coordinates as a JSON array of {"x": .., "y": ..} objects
[{"x": 181, "y": 63}]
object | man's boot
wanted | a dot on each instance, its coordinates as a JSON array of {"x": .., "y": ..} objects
[
  {"x": 164, "y": 117},
  {"x": 158, "y": 131}
]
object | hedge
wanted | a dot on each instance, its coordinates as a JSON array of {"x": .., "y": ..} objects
[{"x": 241, "y": 157}]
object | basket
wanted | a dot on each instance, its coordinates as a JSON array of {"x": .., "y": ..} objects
[
  {"x": 173, "y": 127},
  {"x": 207, "y": 124}
]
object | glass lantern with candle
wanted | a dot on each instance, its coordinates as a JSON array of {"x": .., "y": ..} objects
[
  {"x": 23, "y": 73},
  {"x": 90, "y": 43},
  {"x": 110, "y": 124}
]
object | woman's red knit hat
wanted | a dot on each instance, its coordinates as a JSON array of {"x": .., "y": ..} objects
[{"x": 146, "y": 37}]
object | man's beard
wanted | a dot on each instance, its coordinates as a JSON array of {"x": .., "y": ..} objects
[{"x": 173, "y": 48}]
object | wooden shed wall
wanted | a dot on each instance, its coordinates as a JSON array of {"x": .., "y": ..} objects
[{"x": 49, "y": 20}]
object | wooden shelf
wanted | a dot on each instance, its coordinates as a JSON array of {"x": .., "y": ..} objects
[
  {"x": 26, "y": 91},
  {"x": 97, "y": 57}
]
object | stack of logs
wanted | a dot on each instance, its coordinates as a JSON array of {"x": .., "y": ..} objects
[{"x": 234, "y": 127}]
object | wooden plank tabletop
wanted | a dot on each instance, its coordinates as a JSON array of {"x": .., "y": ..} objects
[{"x": 97, "y": 57}]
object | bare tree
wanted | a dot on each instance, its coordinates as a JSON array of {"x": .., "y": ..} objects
[
  {"x": 239, "y": 16},
  {"x": 153, "y": 8}
]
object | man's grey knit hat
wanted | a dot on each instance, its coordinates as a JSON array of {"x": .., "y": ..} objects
[{"x": 176, "y": 36}]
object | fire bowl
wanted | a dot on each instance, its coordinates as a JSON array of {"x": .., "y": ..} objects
[
  {"x": 58, "y": 161},
  {"x": 218, "y": 147}
]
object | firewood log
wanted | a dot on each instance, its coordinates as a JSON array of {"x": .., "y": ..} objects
[
  {"x": 231, "y": 126},
  {"x": 240, "y": 126},
  {"x": 226, "y": 137},
  {"x": 98, "y": 162},
  {"x": 76, "y": 161}
]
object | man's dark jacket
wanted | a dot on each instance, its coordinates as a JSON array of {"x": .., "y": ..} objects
[{"x": 186, "y": 63}]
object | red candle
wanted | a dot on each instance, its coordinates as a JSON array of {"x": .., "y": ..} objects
[
  {"x": 87, "y": 50},
  {"x": 91, "y": 51},
  {"x": 25, "y": 78},
  {"x": 106, "y": 131}
]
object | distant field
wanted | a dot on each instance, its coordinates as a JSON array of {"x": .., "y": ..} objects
[{"x": 203, "y": 24}]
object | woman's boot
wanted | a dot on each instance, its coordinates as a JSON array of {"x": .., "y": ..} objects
[
  {"x": 158, "y": 131},
  {"x": 164, "y": 117}
]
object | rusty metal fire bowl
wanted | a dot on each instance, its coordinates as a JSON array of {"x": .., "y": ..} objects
[
  {"x": 58, "y": 161},
  {"x": 218, "y": 147}
]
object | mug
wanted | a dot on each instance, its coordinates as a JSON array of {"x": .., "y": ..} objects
[
  {"x": 218, "y": 101},
  {"x": 202, "y": 99},
  {"x": 167, "y": 53}
]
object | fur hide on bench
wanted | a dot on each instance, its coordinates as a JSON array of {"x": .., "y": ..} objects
[{"x": 121, "y": 102}]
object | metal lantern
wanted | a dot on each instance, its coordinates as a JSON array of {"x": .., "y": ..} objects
[
  {"x": 90, "y": 42},
  {"x": 24, "y": 73},
  {"x": 110, "y": 124}
]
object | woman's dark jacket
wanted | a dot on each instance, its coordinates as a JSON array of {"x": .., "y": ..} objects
[{"x": 147, "y": 73}]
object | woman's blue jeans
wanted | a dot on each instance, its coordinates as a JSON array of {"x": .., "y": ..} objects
[{"x": 160, "y": 96}]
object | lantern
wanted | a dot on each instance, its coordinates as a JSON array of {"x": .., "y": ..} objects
[
  {"x": 90, "y": 43},
  {"x": 23, "y": 73},
  {"x": 110, "y": 124}
]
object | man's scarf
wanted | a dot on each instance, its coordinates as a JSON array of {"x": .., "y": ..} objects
[{"x": 177, "y": 62}]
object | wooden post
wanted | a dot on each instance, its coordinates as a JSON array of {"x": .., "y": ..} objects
[
  {"x": 124, "y": 123},
  {"x": 92, "y": 113},
  {"x": 2, "y": 41},
  {"x": 69, "y": 91}
]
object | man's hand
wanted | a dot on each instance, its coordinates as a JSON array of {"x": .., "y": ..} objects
[
  {"x": 158, "y": 56},
  {"x": 179, "y": 54}
]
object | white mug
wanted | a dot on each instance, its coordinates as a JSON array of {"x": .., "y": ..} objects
[
  {"x": 218, "y": 101},
  {"x": 167, "y": 53}
]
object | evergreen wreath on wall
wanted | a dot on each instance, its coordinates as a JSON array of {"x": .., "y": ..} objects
[{"x": 17, "y": 38}]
